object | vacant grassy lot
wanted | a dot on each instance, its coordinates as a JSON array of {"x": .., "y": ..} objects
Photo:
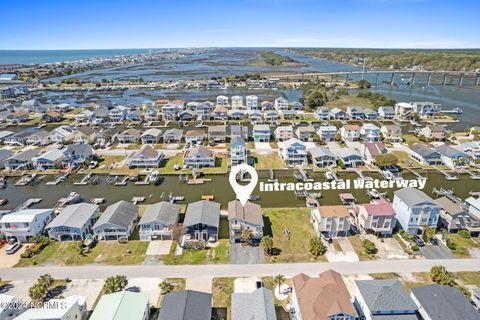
[
  {"x": 384, "y": 276},
  {"x": 222, "y": 289},
  {"x": 343, "y": 102},
  {"x": 469, "y": 278},
  {"x": 105, "y": 252},
  {"x": 218, "y": 254},
  {"x": 462, "y": 245},
  {"x": 178, "y": 285},
  {"x": 359, "y": 250},
  {"x": 297, "y": 221},
  {"x": 419, "y": 279},
  {"x": 268, "y": 161},
  {"x": 410, "y": 139}
]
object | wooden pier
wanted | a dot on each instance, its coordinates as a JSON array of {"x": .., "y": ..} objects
[
  {"x": 416, "y": 174},
  {"x": 26, "y": 179},
  {"x": 122, "y": 182},
  {"x": 85, "y": 180},
  {"x": 58, "y": 179},
  {"x": 271, "y": 176},
  {"x": 447, "y": 175},
  {"x": 136, "y": 200},
  {"x": 27, "y": 204}
]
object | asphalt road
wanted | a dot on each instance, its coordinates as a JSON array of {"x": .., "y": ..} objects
[{"x": 258, "y": 270}]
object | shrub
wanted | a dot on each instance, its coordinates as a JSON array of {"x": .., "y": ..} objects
[
  {"x": 317, "y": 248},
  {"x": 415, "y": 248},
  {"x": 464, "y": 234},
  {"x": 369, "y": 246}
]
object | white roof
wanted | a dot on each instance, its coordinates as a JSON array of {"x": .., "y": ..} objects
[
  {"x": 5, "y": 299},
  {"x": 27, "y": 215},
  {"x": 53, "y": 309},
  {"x": 52, "y": 155}
]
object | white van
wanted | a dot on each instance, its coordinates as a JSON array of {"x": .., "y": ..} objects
[{"x": 12, "y": 248}]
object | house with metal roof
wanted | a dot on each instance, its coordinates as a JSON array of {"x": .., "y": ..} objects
[
  {"x": 258, "y": 305},
  {"x": 51, "y": 159},
  {"x": 438, "y": 302},
  {"x": 202, "y": 220},
  {"x": 322, "y": 157},
  {"x": 415, "y": 209},
  {"x": 117, "y": 222},
  {"x": 158, "y": 220},
  {"x": 425, "y": 155},
  {"x": 74, "y": 222},
  {"x": 199, "y": 157},
  {"x": 186, "y": 305},
  {"x": 146, "y": 157},
  {"x": 123, "y": 305},
  {"x": 25, "y": 224},
  {"x": 384, "y": 299},
  {"x": 245, "y": 217},
  {"x": 453, "y": 157}
]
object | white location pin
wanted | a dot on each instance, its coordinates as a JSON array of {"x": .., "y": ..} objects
[{"x": 243, "y": 192}]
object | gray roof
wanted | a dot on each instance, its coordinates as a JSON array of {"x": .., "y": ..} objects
[
  {"x": 385, "y": 295},
  {"x": 177, "y": 133},
  {"x": 80, "y": 148},
  {"x": 413, "y": 197},
  {"x": 236, "y": 140},
  {"x": 24, "y": 155},
  {"x": 51, "y": 155},
  {"x": 205, "y": 212},
  {"x": 317, "y": 152},
  {"x": 120, "y": 214},
  {"x": 422, "y": 150},
  {"x": 186, "y": 305},
  {"x": 5, "y": 153},
  {"x": 199, "y": 152},
  {"x": 257, "y": 305},
  {"x": 444, "y": 303},
  {"x": 145, "y": 152},
  {"x": 250, "y": 213},
  {"x": 449, "y": 151},
  {"x": 164, "y": 212},
  {"x": 75, "y": 215}
]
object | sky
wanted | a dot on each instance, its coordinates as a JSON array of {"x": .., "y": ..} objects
[{"x": 113, "y": 24}]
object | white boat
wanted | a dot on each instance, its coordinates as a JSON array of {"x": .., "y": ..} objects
[
  {"x": 153, "y": 176},
  {"x": 330, "y": 176},
  {"x": 73, "y": 197}
]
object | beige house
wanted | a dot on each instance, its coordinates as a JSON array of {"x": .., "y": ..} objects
[
  {"x": 391, "y": 132},
  {"x": 245, "y": 217},
  {"x": 434, "y": 132},
  {"x": 331, "y": 220}
]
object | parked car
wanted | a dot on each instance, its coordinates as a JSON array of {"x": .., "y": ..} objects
[
  {"x": 325, "y": 236},
  {"x": 418, "y": 240},
  {"x": 433, "y": 241},
  {"x": 12, "y": 248}
]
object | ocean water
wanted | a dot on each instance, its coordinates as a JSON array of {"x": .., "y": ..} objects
[{"x": 49, "y": 56}]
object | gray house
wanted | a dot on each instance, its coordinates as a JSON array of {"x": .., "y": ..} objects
[
  {"x": 186, "y": 305},
  {"x": 74, "y": 222},
  {"x": 425, "y": 155},
  {"x": 117, "y": 222},
  {"x": 20, "y": 161},
  {"x": 256, "y": 305},
  {"x": 146, "y": 157},
  {"x": 173, "y": 136},
  {"x": 157, "y": 221},
  {"x": 322, "y": 157},
  {"x": 202, "y": 219},
  {"x": 245, "y": 217},
  {"x": 4, "y": 154}
]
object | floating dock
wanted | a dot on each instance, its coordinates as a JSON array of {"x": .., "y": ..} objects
[
  {"x": 447, "y": 175},
  {"x": 136, "y": 200},
  {"x": 26, "y": 179},
  {"x": 473, "y": 175},
  {"x": 27, "y": 204},
  {"x": 85, "y": 180},
  {"x": 58, "y": 179},
  {"x": 416, "y": 174},
  {"x": 122, "y": 182},
  {"x": 271, "y": 176}
]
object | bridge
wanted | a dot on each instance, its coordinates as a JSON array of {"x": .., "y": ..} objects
[{"x": 457, "y": 78}]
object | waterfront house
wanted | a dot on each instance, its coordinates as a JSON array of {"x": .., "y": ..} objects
[
  {"x": 322, "y": 157},
  {"x": 5, "y": 134},
  {"x": 391, "y": 132},
  {"x": 220, "y": 113},
  {"x": 129, "y": 136},
  {"x": 386, "y": 112},
  {"x": 281, "y": 103},
  {"x": 20, "y": 161},
  {"x": 202, "y": 219},
  {"x": 271, "y": 115},
  {"x": 195, "y": 136},
  {"x": 331, "y": 220},
  {"x": 297, "y": 106},
  {"x": 322, "y": 113},
  {"x": 370, "y": 132},
  {"x": 74, "y": 222},
  {"x": 404, "y": 110},
  {"x": 350, "y": 132},
  {"x": 146, "y": 157},
  {"x": 255, "y": 116},
  {"x": 38, "y": 138},
  {"x": 454, "y": 217},
  {"x": 151, "y": 136},
  {"x": 84, "y": 134},
  {"x": 452, "y": 157},
  {"x": 173, "y": 135},
  {"x": 186, "y": 305},
  {"x": 77, "y": 154},
  {"x": 283, "y": 133},
  {"x": 384, "y": 299},
  {"x": 134, "y": 115},
  {"x": 441, "y": 302},
  {"x": 170, "y": 112},
  {"x": 223, "y": 101},
  {"x": 24, "y": 224},
  {"x": 377, "y": 217},
  {"x": 324, "y": 297},
  {"x": 100, "y": 115},
  {"x": 471, "y": 148},
  {"x": 261, "y": 133},
  {"x": 434, "y": 132},
  {"x": 415, "y": 209},
  {"x": 186, "y": 115},
  {"x": 350, "y": 157},
  {"x": 294, "y": 152},
  {"x": 238, "y": 151},
  {"x": 199, "y": 157},
  {"x": 251, "y": 102},
  {"x": 327, "y": 133},
  {"x": 217, "y": 134},
  {"x": 236, "y": 114},
  {"x": 237, "y": 103},
  {"x": 52, "y": 116},
  {"x": 473, "y": 206},
  {"x": 72, "y": 307},
  {"x": 84, "y": 116},
  {"x": 256, "y": 305},
  {"x": 118, "y": 114},
  {"x": 62, "y": 133},
  {"x": 426, "y": 109},
  {"x": 158, "y": 220},
  {"x": 266, "y": 105},
  {"x": 355, "y": 113},
  {"x": 51, "y": 159},
  {"x": 121, "y": 306},
  {"x": 425, "y": 155},
  {"x": 4, "y": 154},
  {"x": 117, "y": 222},
  {"x": 370, "y": 150},
  {"x": 238, "y": 130},
  {"x": 305, "y": 133},
  {"x": 248, "y": 217},
  {"x": 370, "y": 114},
  {"x": 19, "y": 138}
]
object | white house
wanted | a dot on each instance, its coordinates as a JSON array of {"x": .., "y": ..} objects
[
  {"x": 283, "y": 133},
  {"x": 370, "y": 132},
  {"x": 294, "y": 152},
  {"x": 69, "y": 308},
  {"x": 322, "y": 157},
  {"x": 252, "y": 102},
  {"x": 281, "y": 103},
  {"x": 237, "y": 103},
  {"x": 74, "y": 222},
  {"x": 327, "y": 133},
  {"x": 222, "y": 101},
  {"x": 25, "y": 224},
  {"x": 118, "y": 114}
]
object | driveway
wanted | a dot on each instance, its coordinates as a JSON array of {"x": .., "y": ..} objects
[
  {"x": 263, "y": 146},
  {"x": 19, "y": 289},
  {"x": 159, "y": 247},
  {"x": 439, "y": 251},
  {"x": 202, "y": 284},
  {"x": 9, "y": 260},
  {"x": 388, "y": 249},
  {"x": 245, "y": 255},
  {"x": 89, "y": 288},
  {"x": 146, "y": 285},
  {"x": 245, "y": 285},
  {"x": 347, "y": 254}
]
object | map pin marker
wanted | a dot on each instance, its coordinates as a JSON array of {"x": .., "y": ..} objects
[{"x": 243, "y": 192}]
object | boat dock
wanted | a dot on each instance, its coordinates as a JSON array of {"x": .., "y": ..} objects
[
  {"x": 304, "y": 175},
  {"x": 27, "y": 204},
  {"x": 89, "y": 178},
  {"x": 305, "y": 194},
  {"x": 143, "y": 182},
  {"x": 271, "y": 176},
  {"x": 58, "y": 179},
  {"x": 361, "y": 176},
  {"x": 26, "y": 179},
  {"x": 473, "y": 175},
  {"x": 447, "y": 175},
  {"x": 449, "y": 194},
  {"x": 416, "y": 174},
  {"x": 136, "y": 200},
  {"x": 122, "y": 182},
  {"x": 170, "y": 197}
]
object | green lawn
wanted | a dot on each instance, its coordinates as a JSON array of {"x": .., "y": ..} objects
[
  {"x": 218, "y": 254},
  {"x": 105, "y": 252},
  {"x": 268, "y": 161},
  {"x": 357, "y": 246},
  {"x": 462, "y": 245},
  {"x": 222, "y": 289},
  {"x": 420, "y": 279},
  {"x": 297, "y": 221},
  {"x": 384, "y": 276},
  {"x": 410, "y": 139},
  {"x": 343, "y": 102},
  {"x": 469, "y": 278}
]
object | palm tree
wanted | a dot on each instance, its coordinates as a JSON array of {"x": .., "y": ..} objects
[
  {"x": 247, "y": 235},
  {"x": 166, "y": 287},
  {"x": 267, "y": 243},
  {"x": 279, "y": 279},
  {"x": 115, "y": 284}
]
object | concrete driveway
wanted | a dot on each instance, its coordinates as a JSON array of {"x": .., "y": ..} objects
[
  {"x": 87, "y": 288},
  {"x": 388, "y": 249},
  {"x": 439, "y": 251},
  {"x": 19, "y": 289},
  {"x": 146, "y": 285},
  {"x": 9, "y": 260},
  {"x": 245, "y": 255},
  {"x": 202, "y": 284},
  {"x": 159, "y": 247},
  {"x": 245, "y": 285},
  {"x": 265, "y": 146},
  {"x": 346, "y": 255}
]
